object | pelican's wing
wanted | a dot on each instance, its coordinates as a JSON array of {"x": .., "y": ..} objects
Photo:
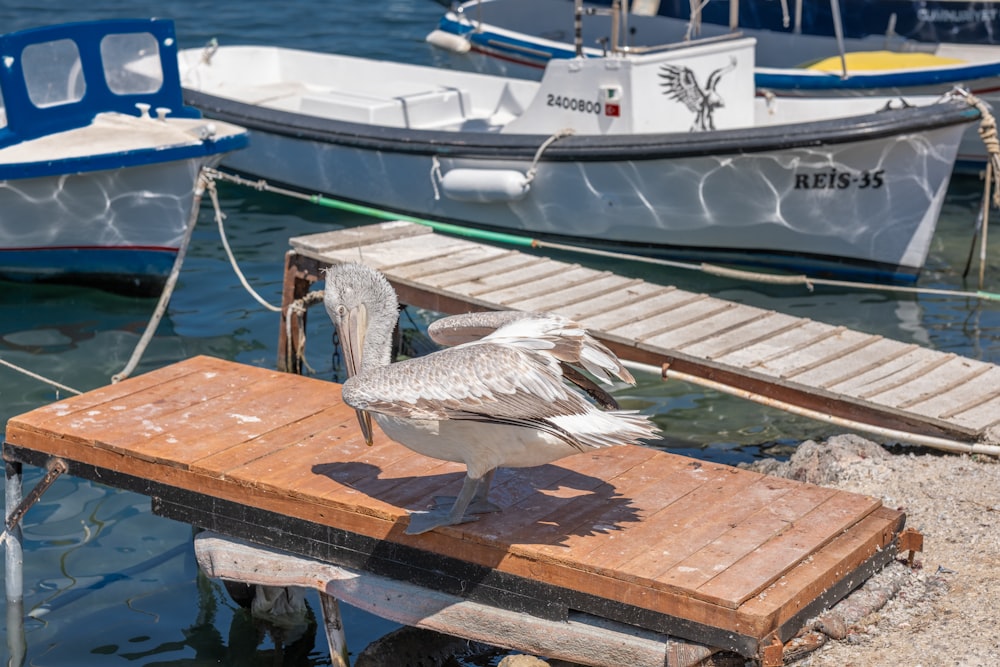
[
  {"x": 680, "y": 84},
  {"x": 559, "y": 336},
  {"x": 468, "y": 327},
  {"x": 503, "y": 381}
]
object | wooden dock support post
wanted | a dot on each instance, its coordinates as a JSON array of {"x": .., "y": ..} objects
[
  {"x": 584, "y": 639},
  {"x": 333, "y": 624}
]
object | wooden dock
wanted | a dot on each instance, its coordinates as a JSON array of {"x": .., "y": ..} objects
[
  {"x": 708, "y": 553},
  {"x": 760, "y": 354}
]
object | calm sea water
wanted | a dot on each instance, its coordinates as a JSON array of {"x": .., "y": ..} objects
[{"x": 108, "y": 583}]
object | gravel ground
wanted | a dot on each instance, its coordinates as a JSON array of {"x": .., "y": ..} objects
[{"x": 945, "y": 612}]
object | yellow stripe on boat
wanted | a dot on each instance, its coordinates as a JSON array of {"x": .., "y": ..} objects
[{"x": 883, "y": 60}]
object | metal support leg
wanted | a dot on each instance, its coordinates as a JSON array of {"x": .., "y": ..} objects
[{"x": 13, "y": 566}]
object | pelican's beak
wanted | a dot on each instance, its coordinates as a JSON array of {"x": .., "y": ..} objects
[
  {"x": 365, "y": 420},
  {"x": 353, "y": 328}
]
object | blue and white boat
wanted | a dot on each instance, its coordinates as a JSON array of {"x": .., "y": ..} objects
[
  {"x": 518, "y": 38},
  {"x": 665, "y": 153},
  {"x": 99, "y": 161},
  {"x": 919, "y": 20}
]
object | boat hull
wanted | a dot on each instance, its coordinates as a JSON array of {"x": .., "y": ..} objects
[
  {"x": 119, "y": 229},
  {"x": 861, "y": 204}
]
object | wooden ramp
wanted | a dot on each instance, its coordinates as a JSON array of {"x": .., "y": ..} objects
[
  {"x": 705, "y": 552},
  {"x": 826, "y": 369}
]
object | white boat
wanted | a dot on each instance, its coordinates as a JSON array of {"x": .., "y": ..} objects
[
  {"x": 518, "y": 38},
  {"x": 665, "y": 153},
  {"x": 98, "y": 163}
]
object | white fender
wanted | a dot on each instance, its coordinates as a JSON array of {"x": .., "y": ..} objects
[
  {"x": 448, "y": 41},
  {"x": 485, "y": 185}
]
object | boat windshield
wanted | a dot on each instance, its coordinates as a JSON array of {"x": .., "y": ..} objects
[{"x": 120, "y": 52}]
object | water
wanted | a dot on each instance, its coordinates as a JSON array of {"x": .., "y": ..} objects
[{"x": 105, "y": 581}]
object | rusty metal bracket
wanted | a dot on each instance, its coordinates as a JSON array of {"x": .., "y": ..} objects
[
  {"x": 55, "y": 468},
  {"x": 773, "y": 654},
  {"x": 911, "y": 540}
]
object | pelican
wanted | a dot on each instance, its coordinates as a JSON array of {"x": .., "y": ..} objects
[{"x": 495, "y": 399}]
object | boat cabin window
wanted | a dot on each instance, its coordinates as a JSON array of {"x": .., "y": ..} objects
[
  {"x": 52, "y": 73},
  {"x": 120, "y": 51}
]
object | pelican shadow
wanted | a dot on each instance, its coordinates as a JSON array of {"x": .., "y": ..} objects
[{"x": 544, "y": 504}]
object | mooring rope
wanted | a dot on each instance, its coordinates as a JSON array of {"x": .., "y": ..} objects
[
  {"x": 808, "y": 281},
  {"x": 219, "y": 218},
  {"x": 38, "y": 377},
  {"x": 168, "y": 287}
]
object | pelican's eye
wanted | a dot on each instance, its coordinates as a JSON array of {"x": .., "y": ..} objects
[{"x": 341, "y": 310}]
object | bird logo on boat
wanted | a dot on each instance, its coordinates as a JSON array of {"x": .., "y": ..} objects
[{"x": 681, "y": 84}]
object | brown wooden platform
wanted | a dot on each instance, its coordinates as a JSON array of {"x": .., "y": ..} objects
[
  {"x": 822, "y": 368},
  {"x": 697, "y": 550}
]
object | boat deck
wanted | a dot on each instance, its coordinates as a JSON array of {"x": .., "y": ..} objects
[
  {"x": 709, "y": 553},
  {"x": 821, "y": 368}
]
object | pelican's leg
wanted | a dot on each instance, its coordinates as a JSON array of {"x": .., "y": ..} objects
[
  {"x": 421, "y": 522},
  {"x": 480, "y": 501}
]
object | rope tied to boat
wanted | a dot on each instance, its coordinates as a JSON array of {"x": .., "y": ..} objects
[
  {"x": 560, "y": 134},
  {"x": 490, "y": 184},
  {"x": 169, "y": 285},
  {"x": 219, "y": 218}
]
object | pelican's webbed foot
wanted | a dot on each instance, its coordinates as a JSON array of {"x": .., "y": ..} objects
[
  {"x": 477, "y": 506},
  {"x": 471, "y": 501},
  {"x": 421, "y": 522}
]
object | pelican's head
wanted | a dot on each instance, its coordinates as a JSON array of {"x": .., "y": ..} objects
[{"x": 364, "y": 308}]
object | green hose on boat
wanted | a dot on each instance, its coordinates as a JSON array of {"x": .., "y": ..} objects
[{"x": 444, "y": 227}]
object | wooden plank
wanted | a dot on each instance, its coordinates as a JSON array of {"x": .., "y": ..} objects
[
  {"x": 513, "y": 295},
  {"x": 741, "y": 540},
  {"x": 712, "y": 325},
  {"x": 787, "y": 596},
  {"x": 656, "y": 304},
  {"x": 652, "y": 484},
  {"x": 220, "y": 463},
  {"x": 692, "y": 312},
  {"x": 624, "y": 297},
  {"x": 132, "y": 419},
  {"x": 826, "y": 349},
  {"x": 502, "y": 264},
  {"x": 950, "y": 371},
  {"x": 983, "y": 417},
  {"x": 762, "y": 566},
  {"x": 752, "y": 332},
  {"x": 893, "y": 372},
  {"x": 396, "y": 253},
  {"x": 481, "y": 287},
  {"x": 878, "y": 352},
  {"x": 782, "y": 343},
  {"x": 571, "y": 508},
  {"x": 228, "y": 421},
  {"x": 463, "y": 258},
  {"x": 318, "y": 245},
  {"x": 567, "y": 296},
  {"x": 114, "y": 392},
  {"x": 685, "y": 535}
]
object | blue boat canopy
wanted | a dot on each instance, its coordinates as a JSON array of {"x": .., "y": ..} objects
[{"x": 60, "y": 77}]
